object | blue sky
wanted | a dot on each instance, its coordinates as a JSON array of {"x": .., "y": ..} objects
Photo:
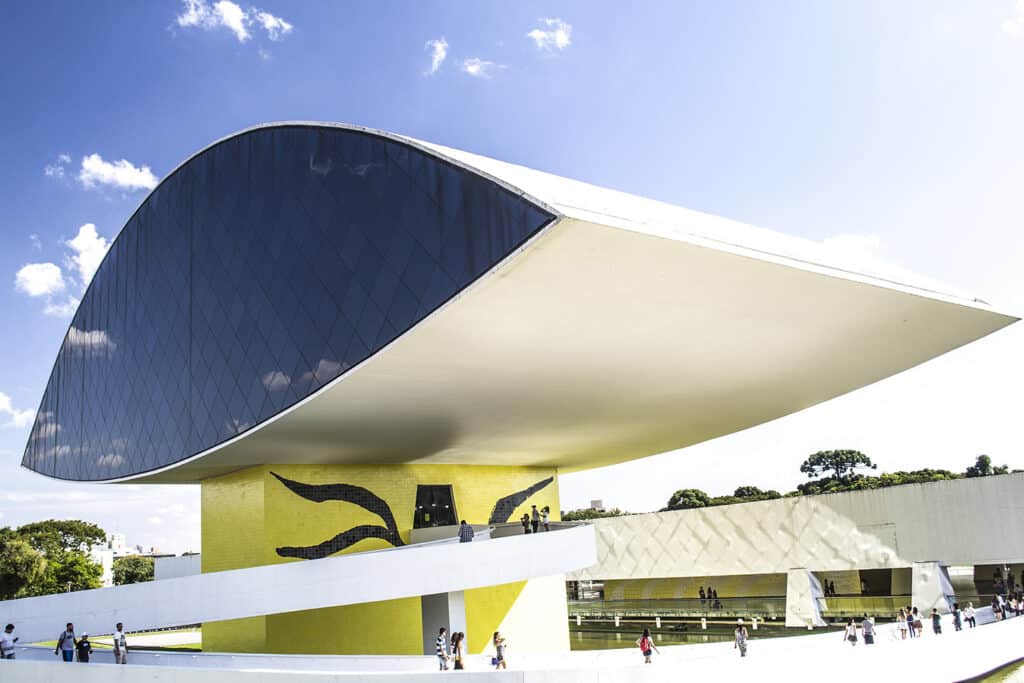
[{"x": 895, "y": 126}]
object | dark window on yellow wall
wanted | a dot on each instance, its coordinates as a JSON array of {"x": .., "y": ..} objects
[{"x": 435, "y": 506}]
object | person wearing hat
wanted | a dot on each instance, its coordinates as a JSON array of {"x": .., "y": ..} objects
[
  {"x": 84, "y": 648},
  {"x": 741, "y": 638}
]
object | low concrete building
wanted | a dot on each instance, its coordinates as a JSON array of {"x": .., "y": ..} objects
[{"x": 876, "y": 546}]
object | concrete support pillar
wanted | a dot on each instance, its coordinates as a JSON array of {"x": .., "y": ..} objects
[
  {"x": 931, "y": 587},
  {"x": 442, "y": 609},
  {"x": 804, "y": 599}
]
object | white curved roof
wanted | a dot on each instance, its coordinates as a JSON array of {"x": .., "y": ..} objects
[{"x": 624, "y": 328}]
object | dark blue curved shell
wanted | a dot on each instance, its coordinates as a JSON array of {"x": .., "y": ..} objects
[{"x": 260, "y": 270}]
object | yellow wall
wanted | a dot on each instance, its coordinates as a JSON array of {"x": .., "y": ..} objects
[{"x": 247, "y": 515}]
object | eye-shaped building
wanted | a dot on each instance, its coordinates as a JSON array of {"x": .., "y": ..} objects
[{"x": 344, "y": 335}]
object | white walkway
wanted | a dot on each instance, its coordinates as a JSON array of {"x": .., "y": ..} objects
[
  {"x": 824, "y": 657},
  {"x": 412, "y": 570}
]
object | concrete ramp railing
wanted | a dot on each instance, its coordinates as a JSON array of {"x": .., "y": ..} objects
[{"x": 414, "y": 570}]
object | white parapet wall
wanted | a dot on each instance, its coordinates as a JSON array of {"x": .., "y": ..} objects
[{"x": 415, "y": 570}]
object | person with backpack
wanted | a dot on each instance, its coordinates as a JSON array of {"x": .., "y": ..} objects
[
  {"x": 66, "y": 643},
  {"x": 646, "y": 645},
  {"x": 84, "y": 649},
  {"x": 740, "y": 636}
]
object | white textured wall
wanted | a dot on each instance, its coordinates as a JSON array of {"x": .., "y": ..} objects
[{"x": 959, "y": 522}]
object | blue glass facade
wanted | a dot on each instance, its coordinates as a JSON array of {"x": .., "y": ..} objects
[{"x": 262, "y": 269}]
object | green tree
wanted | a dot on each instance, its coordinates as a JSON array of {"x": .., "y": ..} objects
[
  {"x": 133, "y": 569},
  {"x": 75, "y": 569},
  {"x": 754, "y": 493},
  {"x": 982, "y": 467},
  {"x": 687, "y": 499},
  {"x": 841, "y": 463},
  {"x": 54, "y": 537},
  {"x": 590, "y": 513},
  {"x": 20, "y": 566}
]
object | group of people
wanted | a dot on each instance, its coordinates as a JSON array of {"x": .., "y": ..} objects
[
  {"x": 537, "y": 518},
  {"x": 647, "y": 647},
  {"x": 1004, "y": 609},
  {"x": 829, "y": 588},
  {"x": 69, "y": 646},
  {"x": 709, "y": 596},
  {"x": 454, "y": 652}
]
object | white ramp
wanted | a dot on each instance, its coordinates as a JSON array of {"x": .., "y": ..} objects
[{"x": 409, "y": 571}]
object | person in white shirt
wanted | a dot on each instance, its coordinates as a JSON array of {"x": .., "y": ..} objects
[
  {"x": 7, "y": 642},
  {"x": 545, "y": 513},
  {"x": 850, "y": 632},
  {"x": 120, "y": 645}
]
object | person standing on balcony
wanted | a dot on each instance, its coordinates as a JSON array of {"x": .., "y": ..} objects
[
  {"x": 534, "y": 518},
  {"x": 703, "y": 598},
  {"x": 465, "y": 532},
  {"x": 545, "y": 517}
]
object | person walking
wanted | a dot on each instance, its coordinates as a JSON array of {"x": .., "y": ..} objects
[
  {"x": 867, "y": 629},
  {"x": 936, "y": 622},
  {"x": 918, "y": 626},
  {"x": 910, "y": 622},
  {"x": 120, "y": 645},
  {"x": 499, "y": 643},
  {"x": 441, "y": 649},
  {"x": 466, "y": 534},
  {"x": 457, "y": 639},
  {"x": 646, "y": 645},
  {"x": 7, "y": 642},
  {"x": 850, "y": 632},
  {"x": 901, "y": 623},
  {"x": 545, "y": 517},
  {"x": 84, "y": 649},
  {"x": 534, "y": 518},
  {"x": 66, "y": 643},
  {"x": 969, "y": 615},
  {"x": 740, "y": 638},
  {"x": 957, "y": 617}
]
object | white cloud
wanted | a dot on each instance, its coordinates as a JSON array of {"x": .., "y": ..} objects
[
  {"x": 276, "y": 27},
  {"x": 1014, "y": 26},
  {"x": 61, "y": 309},
  {"x": 89, "y": 248},
  {"x": 37, "y": 243},
  {"x": 556, "y": 36},
  {"x": 229, "y": 15},
  {"x": 276, "y": 380},
  {"x": 93, "y": 341},
  {"x": 121, "y": 174},
  {"x": 56, "y": 169},
  {"x": 39, "y": 279},
  {"x": 438, "y": 53},
  {"x": 15, "y": 417},
  {"x": 480, "y": 68}
]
